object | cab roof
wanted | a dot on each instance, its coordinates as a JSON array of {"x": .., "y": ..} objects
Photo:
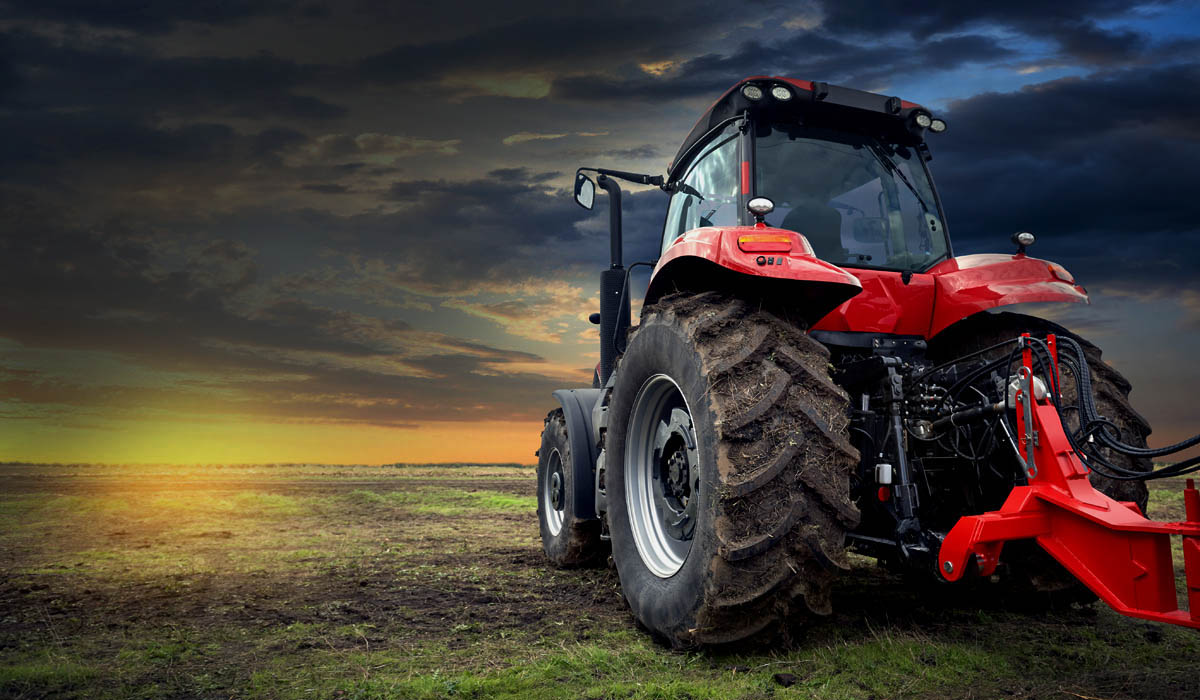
[{"x": 854, "y": 110}]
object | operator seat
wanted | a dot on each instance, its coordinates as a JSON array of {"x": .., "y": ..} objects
[{"x": 821, "y": 225}]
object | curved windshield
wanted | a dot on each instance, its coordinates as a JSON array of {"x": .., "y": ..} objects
[
  {"x": 859, "y": 202},
  {"x": 707, "y": 194}
]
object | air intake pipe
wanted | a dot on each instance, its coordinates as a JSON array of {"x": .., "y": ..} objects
[{"x": 614, "y": 283}]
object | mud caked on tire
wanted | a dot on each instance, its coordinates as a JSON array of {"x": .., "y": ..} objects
[
  {"x": 727, "y": 471},
  {"x": 1033, "y": 571},
  {"x": 566, "y": 539}
]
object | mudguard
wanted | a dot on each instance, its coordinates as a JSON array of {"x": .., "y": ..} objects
[
  {"x": 577, "y": 410},
  {"x": 972, "y": 283},
  {"x": 703, "y": 258},
  {"x": 887, "y": 305}
]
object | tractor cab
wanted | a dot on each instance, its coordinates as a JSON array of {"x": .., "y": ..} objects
[
  {"x": 848, "y": 228},
  {"x": 858, "y": 189}
]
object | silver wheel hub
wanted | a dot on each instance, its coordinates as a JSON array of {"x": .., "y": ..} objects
[
  {"x": 556, "y": 496},
  {"x": 553, "y": 493},
  {"x": 675, "y": 451},
  {"x": 662, "y": 476}
]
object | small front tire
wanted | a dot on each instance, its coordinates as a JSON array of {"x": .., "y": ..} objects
[{"x": 567, "y": 540}]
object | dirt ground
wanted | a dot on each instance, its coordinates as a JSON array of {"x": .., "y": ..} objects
[{"x": 311, "y": 582}]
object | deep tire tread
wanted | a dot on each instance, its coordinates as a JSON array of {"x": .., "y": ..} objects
[
  {"x": 780, "y": 527},
  {"x": 737, "y": 551}
]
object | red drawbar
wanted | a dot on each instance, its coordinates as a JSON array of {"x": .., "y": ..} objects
[
  {"x": 745, "y": 177},
  {"x": 1108, "y": 545}
]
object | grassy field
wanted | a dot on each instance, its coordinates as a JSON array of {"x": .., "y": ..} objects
[{"x": 428, "y": 582}]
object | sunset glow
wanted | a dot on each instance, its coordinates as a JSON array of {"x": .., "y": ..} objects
[
  {"x": 227, "y": 442},
  {"x": 264, "y": 234}
]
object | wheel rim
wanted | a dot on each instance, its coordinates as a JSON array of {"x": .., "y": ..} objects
[
  {"x": 662, "y": 476},
  {"x": 554, "y": 493}
]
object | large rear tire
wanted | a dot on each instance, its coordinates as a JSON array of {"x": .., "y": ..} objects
[
  {"x": 567, "y": 540},
  {"x": 728, "y": 472},
  {"x": 1032, "y": 570}
]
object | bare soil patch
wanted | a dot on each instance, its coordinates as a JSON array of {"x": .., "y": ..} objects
[{"x": 320, "y": 584}]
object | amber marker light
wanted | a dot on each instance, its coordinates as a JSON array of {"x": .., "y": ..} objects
[
  {"x": 765, "y": 243},
  {"x": 1060, "y": 272}
]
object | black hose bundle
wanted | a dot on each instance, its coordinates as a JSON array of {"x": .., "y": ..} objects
[
  {"x": 1093, "y": 425},
  {"x": 1096, "y": 430}
]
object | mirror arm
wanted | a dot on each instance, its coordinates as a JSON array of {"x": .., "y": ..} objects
[
  {"x": 605, "y": 180},
  {"x": 656, "y": 180}
]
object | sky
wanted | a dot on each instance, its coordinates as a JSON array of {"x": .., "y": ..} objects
[{"x": 306, "y": 231}]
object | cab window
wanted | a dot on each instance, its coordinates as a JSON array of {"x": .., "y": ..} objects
[
  {"x": 859, "y": 202},
  {"x": 707, "y": 194}
]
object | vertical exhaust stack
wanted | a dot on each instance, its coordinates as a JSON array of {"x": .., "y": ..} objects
[{"x": 614, "y": 286}]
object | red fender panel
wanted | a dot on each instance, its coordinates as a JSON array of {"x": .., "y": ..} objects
[
  {"x": 782, "y": 265},
  {"x": 972, "y": 283},
  {"x": 886, "y": 305}
]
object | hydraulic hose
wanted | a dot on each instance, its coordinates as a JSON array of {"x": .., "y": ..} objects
[{"x": 1093, "y": 424}]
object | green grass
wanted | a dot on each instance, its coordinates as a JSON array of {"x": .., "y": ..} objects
[
  {"x": 52, "y": 506},
  {"x": 312, "y": 581},
  {"x": 1166, "y": 504},
  {"x": 444, "y": 501},
  {"x": 49, "y": 673}
]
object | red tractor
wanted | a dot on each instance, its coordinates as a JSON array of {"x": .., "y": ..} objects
[{"x": 815, "y": 373}]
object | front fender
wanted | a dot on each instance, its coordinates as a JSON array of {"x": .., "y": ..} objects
[
  {"x": 577, "y": 410},
  {"x": 710, "y": 258},
  {"x": 972, "y": 283}
]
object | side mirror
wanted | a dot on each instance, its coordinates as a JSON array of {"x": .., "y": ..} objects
[{"x": 585, "y": 191}]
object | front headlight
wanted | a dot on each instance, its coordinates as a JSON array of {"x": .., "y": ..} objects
[{"x": 752, "y": 92}]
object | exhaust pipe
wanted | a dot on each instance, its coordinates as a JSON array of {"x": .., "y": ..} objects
[{"x": 614, "y": 283}]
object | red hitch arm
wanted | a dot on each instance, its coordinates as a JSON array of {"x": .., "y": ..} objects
[{"x": 1108, "y": 545}]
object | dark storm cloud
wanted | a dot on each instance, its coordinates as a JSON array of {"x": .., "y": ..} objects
[
  {"x": 928, "y": 18},
  {"x": 84, "y": 279},
  {"x": 58, "y": 138},
  {"x": 1070, "y": 23},
  {"x": 115, "y": 291},
  {"x": 506, "y": 227},
  {"x": 542, "y": 42},
  {"x": 1065, "y": 113},
  {"x": 141, "y": 15},
  {"x": 812, "y": 54},
  {"x": 125, "y": 78},
  {"x": 325, "y": 188},
  {"x": 445, "y": 238},
  {"x": 298, "y": 292},
  {"x": 1088, "y": 43},
  {"x": 499, "y": 225},
  {"x": 642, "y": 152},
  {"x": 107, "y": 158},
  {"x": 1102, "y": 167}
]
